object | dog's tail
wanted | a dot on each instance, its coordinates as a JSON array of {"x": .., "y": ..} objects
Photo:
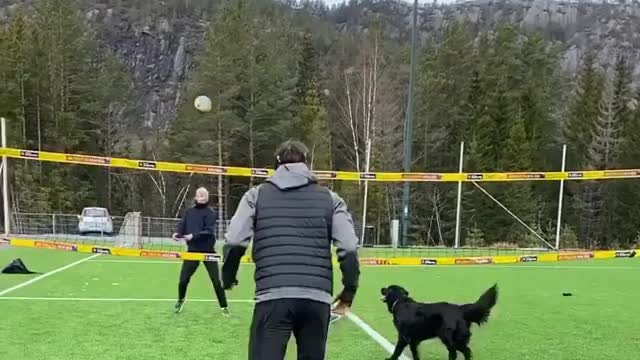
[{"x": 479, "y": 311}]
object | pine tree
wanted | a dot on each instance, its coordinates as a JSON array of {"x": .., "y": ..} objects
[
  {"x": 310, "y": 124},
  {"x": 442, "y": 116},
  {"x": 442, "y": 93},
  {"x": 599, "y": 203},
  {"x": 604, "y": 149},
  {"x": 53, "y": 103},
  {"x": 540, "y": 102},
  {"x": 319, "y": 143},
  {"x": 248, "y": 70},
  {"x": 519, "y": 196},
  {"x": 626, "y": 193},
  {"x": 584, "y": 111}
]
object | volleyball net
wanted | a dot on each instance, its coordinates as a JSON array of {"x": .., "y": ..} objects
[{"x": 455, "y": 214}]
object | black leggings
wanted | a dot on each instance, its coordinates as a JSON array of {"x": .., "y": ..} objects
[{"x": 189, "y": 267}]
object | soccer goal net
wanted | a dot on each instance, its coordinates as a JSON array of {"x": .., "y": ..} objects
[{"x": 130, "y": 231}]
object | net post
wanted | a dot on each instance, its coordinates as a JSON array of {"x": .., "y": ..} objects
[
  {"x": 459, "y": 201},
  {"x": 561, "y": 197},
  {"x": 5, "y": 179},
  {"x": 366, "y": 193}
]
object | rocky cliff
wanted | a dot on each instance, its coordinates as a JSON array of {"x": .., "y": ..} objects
[
  {"x": 580, "y": 26},
  {"x": 158, "y": 40}
]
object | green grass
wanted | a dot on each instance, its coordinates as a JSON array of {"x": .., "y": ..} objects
[{"x": 531, "y": 321}]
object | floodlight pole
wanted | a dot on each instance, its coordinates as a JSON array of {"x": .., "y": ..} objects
[
  {"x": 408, "y": 129},
  {"x": 5, "y": 179},
  {"x": 561, "y": 197},
  {"x": 459, "y": 202}
]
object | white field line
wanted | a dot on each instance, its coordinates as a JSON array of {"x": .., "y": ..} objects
[
  {"x": 114, "y": 299},
  {"x": 46, "y": 275},
  {"x": 495, "y": 266},
  {"x": 381, "y": 340}
]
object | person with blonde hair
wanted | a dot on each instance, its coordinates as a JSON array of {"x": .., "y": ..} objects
[{"x": 197, "y": 229}]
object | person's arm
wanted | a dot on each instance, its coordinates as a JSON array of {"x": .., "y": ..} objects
[
  {"x": 180, "y": 227},
  {"x": 238, "y": 237},
  {"x": 346, "y": 242}
]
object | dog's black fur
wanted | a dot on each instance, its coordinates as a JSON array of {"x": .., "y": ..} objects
[{"x": 450, "y": 323}]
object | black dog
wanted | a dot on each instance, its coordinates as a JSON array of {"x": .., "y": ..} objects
[{"x": 450, "y": 323}]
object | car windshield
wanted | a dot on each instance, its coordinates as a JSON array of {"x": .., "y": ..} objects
[{"x": 94, "y": 213}]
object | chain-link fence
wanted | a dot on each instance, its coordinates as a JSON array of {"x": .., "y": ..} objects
[{"x": 110, "y": 230}]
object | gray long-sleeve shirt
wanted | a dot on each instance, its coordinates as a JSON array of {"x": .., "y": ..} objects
[{"x": 240, "y": 233}]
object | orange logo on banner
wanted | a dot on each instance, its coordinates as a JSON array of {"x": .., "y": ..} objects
[
  {"x": 421, "y": 176},
  {"x": 621, "y": 173},
  {"x": 55, "y": 246},
  {"x": 525, "y": 176},
  {"x": 576, "y": 256},
  {"x": 162, "y": 254},
  {"x": 89, "y": 159},
  {"x": 374, "y": 262},
  {"x": 325, "y": 174},
  {"x": 473, "y": 261},
  {"x": 205, "y": 169}
]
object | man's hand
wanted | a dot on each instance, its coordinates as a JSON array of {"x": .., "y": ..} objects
[
  {"x": 188, "y": 237},
  {"x": 175, "y": 237},
  {"x": 341, "y": 308},
  {"x": 342, "y": 304},
  {"x": 231, "y": 285}
]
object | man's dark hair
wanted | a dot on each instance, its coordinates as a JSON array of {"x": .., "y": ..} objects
[{"x": 290, "y": 152}]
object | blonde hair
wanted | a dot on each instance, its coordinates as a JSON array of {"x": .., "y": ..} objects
[{"x": 202, "y": 195}]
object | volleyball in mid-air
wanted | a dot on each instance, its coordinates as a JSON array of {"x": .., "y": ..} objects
[{"x": 202, "y": 104}]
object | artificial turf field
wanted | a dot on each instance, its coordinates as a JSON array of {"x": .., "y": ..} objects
[{"x": 89, "y": 311}]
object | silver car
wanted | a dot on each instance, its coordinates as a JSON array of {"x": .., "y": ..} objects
[{"x": 95, "y": 220}]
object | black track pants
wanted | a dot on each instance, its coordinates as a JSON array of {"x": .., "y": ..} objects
[
  {"x": 274, "y": 321},
  {"x": 189, "y": 267}
]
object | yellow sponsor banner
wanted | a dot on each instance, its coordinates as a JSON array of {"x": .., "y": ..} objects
[
  {"x": 547, "y": 257},
  {"x": 395, "y": 261},
  {"x": 605, "y": 254},
  {"x": 506, "y": 259},
  {"x": 148, "y": 165}
]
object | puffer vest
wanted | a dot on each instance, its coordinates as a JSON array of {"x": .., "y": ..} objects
[{"x": 292, "y": 238}]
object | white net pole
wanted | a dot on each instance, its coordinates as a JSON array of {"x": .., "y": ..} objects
[
  {"x": 5, "y": 180},
  {"x": 561, "y": 198},
  {"x": 366, "y": 193},
  {"x": 459, "y": 201}
]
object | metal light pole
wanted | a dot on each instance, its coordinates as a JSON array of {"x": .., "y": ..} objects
[{"x": 408, "y": 128}]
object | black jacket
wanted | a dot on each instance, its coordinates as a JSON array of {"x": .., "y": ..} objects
[{"x": 199, "y": 221}]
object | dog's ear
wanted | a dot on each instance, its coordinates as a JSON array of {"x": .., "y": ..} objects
[
  {"x": 405, "y": 292},
  {"x": 384, "y": 291}
]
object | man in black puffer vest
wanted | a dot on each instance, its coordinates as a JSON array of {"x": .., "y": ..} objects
[
  {"x": 293, "y": 222},
  {"x": 197, "y": 228}
]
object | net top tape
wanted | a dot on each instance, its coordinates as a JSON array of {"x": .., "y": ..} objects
[{"x": 321, "y": 175}]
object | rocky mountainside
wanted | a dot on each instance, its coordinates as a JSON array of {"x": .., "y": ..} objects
[
  {"x": 580, "y": 26},
  {"x": 158, "y": 40}
]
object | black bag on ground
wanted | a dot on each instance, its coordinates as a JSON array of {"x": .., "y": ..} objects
[{"x": 17, "y": 267}]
